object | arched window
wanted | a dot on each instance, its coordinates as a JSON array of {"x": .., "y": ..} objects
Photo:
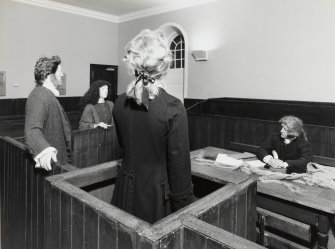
[{"x": 177, "y": 48}]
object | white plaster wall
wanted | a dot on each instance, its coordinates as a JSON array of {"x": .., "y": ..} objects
[
  {"x": 28, "y": 32},
  {"x": 278, "y": 49}
]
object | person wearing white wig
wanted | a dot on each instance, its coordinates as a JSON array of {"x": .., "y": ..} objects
[
  {"x": 155, "y": 177},
  {"x": 289, "y": 150}
]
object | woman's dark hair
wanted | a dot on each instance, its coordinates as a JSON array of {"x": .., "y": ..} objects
[
  {"x": 45, "y": 66},
  {"x": 93, "y": 94}
]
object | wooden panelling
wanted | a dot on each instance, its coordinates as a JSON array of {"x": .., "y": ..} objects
[
  {"x": 172, "y": 240},
  {"x": 94, "y": 146},
  {"x": 246, "y": 123},
  {"x": 194, "y": 240},
  {"x": 190, "y": 103},
  {"x": 200, "y": 235},
  {"x": 91, "y": 228},
  {"x": 277, "y": 242},
  {"x": 282, "y": 223},
  {"x": 128, "y": 232},
  {"x": 203, "y": 132},
  {"x": 313, "y": 113},
  {"x": 66, "y": 208},
  {"x": 217, "y": 122},
  {"x": 12, "y": 113},
  {"x": 55, "y": 213},
  {"x": 236, "y": 215},
  {"x": 108, "y": 233},
  {"x": 15, "y": 108},
  {"x": 22, "y": 197},
  {"x": 78, "y": 219},
  {"x": 249, "y": 121}
]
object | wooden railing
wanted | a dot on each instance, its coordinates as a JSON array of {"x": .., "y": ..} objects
[
  {"x": 72, "y": 210},
  {"x": 95, "y": 146},
  {"x": 222, "y": 208},
  {"x": 22, "y": 196}
]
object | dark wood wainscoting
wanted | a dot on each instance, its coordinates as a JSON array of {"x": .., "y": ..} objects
[
  {"x": 22, "y": 197},
  {"x": 218, "y": 122},
  {"x": 11, "y": 108},
  {"x": 12, "y": 114},
  {"x": 95, "y": 146}
]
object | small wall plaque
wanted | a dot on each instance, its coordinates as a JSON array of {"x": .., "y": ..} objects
[
  {"x": 2, "y": 83},
  {"x": 62, "y": 87}
]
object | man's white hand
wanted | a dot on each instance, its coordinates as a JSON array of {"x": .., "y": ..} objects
[{"x": 45, "y": 160}]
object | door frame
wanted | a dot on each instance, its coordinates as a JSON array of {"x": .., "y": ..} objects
[{"x": 171, "y": 30}]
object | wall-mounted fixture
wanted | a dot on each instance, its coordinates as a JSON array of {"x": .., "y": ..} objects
[{"x": 200, "y": 55}]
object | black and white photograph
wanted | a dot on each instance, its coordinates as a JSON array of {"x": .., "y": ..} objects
[{"x": 167, "y": 124}]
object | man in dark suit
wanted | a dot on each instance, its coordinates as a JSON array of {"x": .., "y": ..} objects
[{"x": 47, "y": 129}]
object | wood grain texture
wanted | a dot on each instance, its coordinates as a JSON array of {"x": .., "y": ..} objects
[
  {"x": 218, "y": 122},
  {"x": 94, "y": 146},
  {"x": 132, "y": 233},
  {"x": 282, "y": 223},
  {"x": 204, "y": 232},
  {"x": 23, "y": 193},
  {"x": 72, "y": 218}
]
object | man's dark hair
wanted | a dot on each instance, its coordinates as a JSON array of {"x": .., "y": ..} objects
[{"x": 45, "y": 66}]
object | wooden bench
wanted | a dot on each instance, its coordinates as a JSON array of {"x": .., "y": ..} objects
[{"x": 268, "y": 220}]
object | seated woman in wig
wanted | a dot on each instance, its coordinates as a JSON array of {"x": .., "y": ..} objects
[
  {"x": 289, "y": 151},
  {"x": 97, "y": 109}
]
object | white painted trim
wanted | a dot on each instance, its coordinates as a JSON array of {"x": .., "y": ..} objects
[
  {"x": 71, "y": 9},
  {"x": 183, "y": 32},
  {"x": 113, "y": 18},
  {"x": 162, "y": 9}
]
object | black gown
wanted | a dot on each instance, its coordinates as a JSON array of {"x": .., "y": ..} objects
[
  {"x": 296, "y": 154},
  {"x": 155, "y": 177}
]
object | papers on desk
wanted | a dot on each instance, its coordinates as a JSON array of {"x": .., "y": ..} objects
[
  {"x": 227, "y": 161},
  {"x": 243, "y": 155},
  {"x": 234, "y": 162},
  {"x": 255, "y": 163}
]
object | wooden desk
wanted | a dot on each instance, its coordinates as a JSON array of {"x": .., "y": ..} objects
[{"x": 315, "y": 206}]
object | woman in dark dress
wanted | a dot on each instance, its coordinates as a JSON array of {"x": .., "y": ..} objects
[
  {"x": 97, "y": 110},
  {"x": 288, "y": 150},
  {"x": 155, "y": 177}
]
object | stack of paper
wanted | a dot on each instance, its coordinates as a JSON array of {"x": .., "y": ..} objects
[
  {"x": 255, "y": 163},
  {"x": 227, "y": 161}
]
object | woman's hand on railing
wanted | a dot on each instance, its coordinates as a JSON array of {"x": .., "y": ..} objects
[{"x": 101, "y": 124}]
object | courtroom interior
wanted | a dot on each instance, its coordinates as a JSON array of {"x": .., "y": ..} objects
[{"x": 242, "y": 76}]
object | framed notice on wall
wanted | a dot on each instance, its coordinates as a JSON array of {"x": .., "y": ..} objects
[
  {"x": 2, "y": 83},
  {"x": 62, "y": 87}
]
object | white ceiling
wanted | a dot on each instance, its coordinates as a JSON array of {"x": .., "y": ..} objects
[
  {"x": 120, "y": 7},
  {"x": 115, "y": 10}
]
